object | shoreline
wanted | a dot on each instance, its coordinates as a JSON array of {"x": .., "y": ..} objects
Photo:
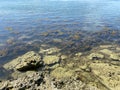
[{"x": 55, "y": 70}]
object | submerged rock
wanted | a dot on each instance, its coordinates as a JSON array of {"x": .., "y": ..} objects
[
  {"x": 109, "y": 75},
  {"x": 78, "y": 54},
  {"x": 115, "y": 56},
  {"x": 97, "y": 56},
  {"x": 61, "y": 73},
  {"x": 28, "y": 61},
  {"x": 51, "y": 59},
  {"x": 91, "y": 70},
  {"x": 106, "y": 51},
  {"x": 49, "y": 50}
]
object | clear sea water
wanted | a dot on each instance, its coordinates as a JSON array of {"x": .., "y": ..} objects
[
  {"x": 41, "y": 15},
  {"x": 24, "y": 18}
]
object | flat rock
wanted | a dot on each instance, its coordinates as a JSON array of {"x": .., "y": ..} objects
[
  {"x": 93, "y": 56},
  {"x": 30, "y": 60},
  {"x": 61, "y": 73},
  {"x": 115, "y": 56},
  {"x": 109, "y": 75},
  {"x": 106, "y": 51},
  {"x": 29, "y": 82},
  {"x": 49, "y": 50},
  {"x": 51, "y": 59}
]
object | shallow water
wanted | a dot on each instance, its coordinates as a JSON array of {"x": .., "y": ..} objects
[
  {"x": 23, "y": 22},
  {"x": 38, "y": 15}
]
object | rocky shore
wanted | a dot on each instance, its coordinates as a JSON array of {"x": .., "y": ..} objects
[{"x": 50, "y": 69}]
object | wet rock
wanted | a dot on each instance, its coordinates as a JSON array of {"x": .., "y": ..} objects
[
  {"x": 29, "y": 82},
  {"x": 78, "y": 54},
  {"x": 106, "y": 51},
  {"x": 30, "y": 60},
  {"x": 3, "y": 85},
  {"x": 115, "y": 56},
  {"x": 49, "y": 50},
  {"x": 106, "y": 46},
  {"x": 63, "y": 57},
  {"x": 48, "y": 84},
  {"x": 61, "y": 73},
  {"x": 107, "y": 74},
  {"x": 51, "y": 60},
  {"x": 95, "y": 56},
  {"x": 57, "y": 40}
]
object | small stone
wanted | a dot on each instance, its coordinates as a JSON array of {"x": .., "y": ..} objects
[
  {"x": 105, "y": 46},
  {"x": 61, "y": 73},
  {"x": 78, "y": 54}
]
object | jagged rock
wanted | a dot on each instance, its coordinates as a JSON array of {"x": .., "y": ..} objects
[
  {"x": 97, "y": 56},
  {"x": 3, "y": 85},
  {"x": 30, "y": 60},
  {"x": 29, "y": 82},
  {"x": 51, "y": 59},
  {"x": 47, "y": 85}
]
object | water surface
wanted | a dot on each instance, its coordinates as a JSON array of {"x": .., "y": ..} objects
[{"x": 23, "y": 21}]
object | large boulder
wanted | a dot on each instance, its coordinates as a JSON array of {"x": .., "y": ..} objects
[{"x": 30, "y": 60}]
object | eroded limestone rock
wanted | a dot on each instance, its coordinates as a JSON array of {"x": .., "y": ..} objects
[
  {"x": 109, "y": 74},
  {"x": 51, "y": 59},
  {"x": 30, "y": 60},
  {"x": 61, "y": 73}
]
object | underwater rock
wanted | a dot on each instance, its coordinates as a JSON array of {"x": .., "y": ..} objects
[
  {"x": 108, "y": 75},
  {"x": 51, "y": 59},
  {"x": 49, "y": 50},
  {"x": 78, "y": 54},
  {"x": 96, "y": 56},
  {"x": 63, "y": 57},
  {"x": 106, "y": 51},
  {"x": 115, "y": 56},
  {"x": 61, "y": 73},
  {"x": 30, "y": 60}
]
